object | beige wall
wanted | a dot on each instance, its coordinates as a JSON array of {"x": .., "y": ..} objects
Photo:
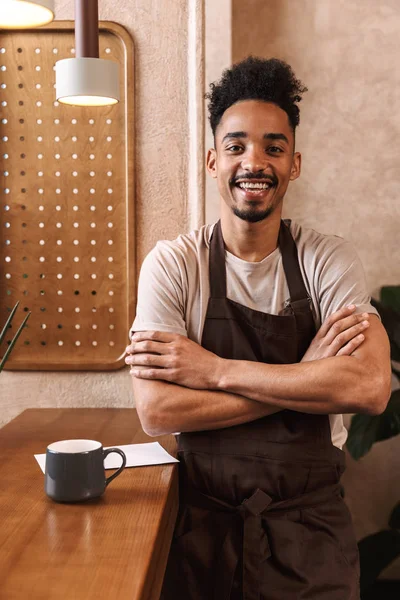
[
  {"x": 168, "y": 52},
  {"x": 347, "y": 55}
]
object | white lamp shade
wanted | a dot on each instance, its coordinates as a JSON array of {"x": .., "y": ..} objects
[
  {"x": 87, "y": 81},
  {"x": 20, "y": 14}
]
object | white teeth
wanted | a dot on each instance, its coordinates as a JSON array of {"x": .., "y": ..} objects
[{"x": 254, "y": 186}]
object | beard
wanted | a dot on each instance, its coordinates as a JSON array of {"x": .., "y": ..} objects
[{"x": 252, "y": 215}]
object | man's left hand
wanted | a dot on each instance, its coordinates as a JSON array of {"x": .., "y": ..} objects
[{"x": 172, "y": 357}]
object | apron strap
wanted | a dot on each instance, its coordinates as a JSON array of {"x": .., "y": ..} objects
[
  {"x": 217, "y": 269},
  {"x": 299, "y": 297},
  {"x": 253, "y": 543},
  {"x": 216, "y": 264}
]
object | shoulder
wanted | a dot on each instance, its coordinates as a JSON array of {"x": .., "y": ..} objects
[
  {"x": 186, "y": 248},
  {"x": 318, "y": 251},
  {"x": 310, "y": 240}
]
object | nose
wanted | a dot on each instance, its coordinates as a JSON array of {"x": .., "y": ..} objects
[{"x": 254, "y": 161}]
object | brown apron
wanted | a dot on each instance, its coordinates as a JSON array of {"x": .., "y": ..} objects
[{"x": 261, "y": 514}]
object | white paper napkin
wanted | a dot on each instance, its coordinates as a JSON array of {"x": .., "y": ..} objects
[{"x": 137, "y": 455}]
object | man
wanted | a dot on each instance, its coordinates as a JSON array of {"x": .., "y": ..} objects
[{"x": 228, "y": 349}]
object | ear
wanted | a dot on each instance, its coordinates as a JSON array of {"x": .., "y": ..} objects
[
  {"x": 211, "y": 162},
  {"x": 296, "y": 166}
]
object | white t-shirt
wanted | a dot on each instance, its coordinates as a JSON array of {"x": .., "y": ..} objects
[{"x": 174, "y": 289}]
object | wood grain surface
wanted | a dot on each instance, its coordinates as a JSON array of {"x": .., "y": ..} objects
[{"x": 114, "y": 547}]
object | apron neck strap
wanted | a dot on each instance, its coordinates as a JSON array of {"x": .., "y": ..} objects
[
  {"x": 216, "y": 263},
  {"x": 290, "y": 260},
  {"x": 287, "y": 245}
]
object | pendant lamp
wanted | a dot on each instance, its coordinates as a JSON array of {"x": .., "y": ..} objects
[
  {"x": 87, "y": 80},
  {"x": 21, "y": 14}
]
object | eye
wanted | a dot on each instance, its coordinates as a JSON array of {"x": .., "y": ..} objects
[
  {"x": 234, "y": 148},
  {"x": 275, "y": 149}
]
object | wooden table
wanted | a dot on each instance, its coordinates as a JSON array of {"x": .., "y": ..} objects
[{"x": 110, "y": 548}]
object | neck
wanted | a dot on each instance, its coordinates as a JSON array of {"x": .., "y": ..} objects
[{"x": 250, "y": 241}]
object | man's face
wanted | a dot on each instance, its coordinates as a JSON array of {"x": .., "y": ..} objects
[{"x": 254, "y": 159}]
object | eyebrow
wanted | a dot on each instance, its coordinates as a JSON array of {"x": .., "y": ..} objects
[{"x": 267, "y": 136}]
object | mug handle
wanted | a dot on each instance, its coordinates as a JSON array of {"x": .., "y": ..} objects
[{"x": 121, "y": 468}]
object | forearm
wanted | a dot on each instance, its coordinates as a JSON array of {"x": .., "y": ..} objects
[
  {"x": 332, "y": 385},
  {"x": 168, "y": 408}
]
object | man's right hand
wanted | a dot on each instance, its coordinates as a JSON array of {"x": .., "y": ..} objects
[{"x": 339, "y": 335}]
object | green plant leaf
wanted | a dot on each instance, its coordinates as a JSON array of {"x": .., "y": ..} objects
[
  {"x": 394, "y": 521},
  {"x": 13, "y": 342},
  {"x": 365, "y": 430},
  {"x": 391, "y": 322},
  {"x": 377, "y": 551},
  {"x": 8, "y": 323}
]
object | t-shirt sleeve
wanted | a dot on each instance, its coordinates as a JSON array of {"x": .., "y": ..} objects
[
  {"x": 160, "y": 304},
  {"x": 340, "y": 280}
]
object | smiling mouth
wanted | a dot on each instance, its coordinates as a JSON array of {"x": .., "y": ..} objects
[{"x": 254, "y": 189}]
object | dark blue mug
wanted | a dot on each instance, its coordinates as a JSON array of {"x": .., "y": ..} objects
[{"x": 75, "y": 470}]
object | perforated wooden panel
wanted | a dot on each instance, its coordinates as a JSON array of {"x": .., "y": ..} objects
[{"x": 67, "y": 206}]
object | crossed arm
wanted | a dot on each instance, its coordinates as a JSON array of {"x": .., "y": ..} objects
[{"x": 180, "y": 386}]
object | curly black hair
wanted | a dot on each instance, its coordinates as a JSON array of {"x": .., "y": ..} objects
[{"x": 270, "y": 80}]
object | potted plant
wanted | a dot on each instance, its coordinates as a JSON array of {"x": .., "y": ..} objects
[
  {"x": 16, "y": 336},
  {"x": 378, "y": 550}
]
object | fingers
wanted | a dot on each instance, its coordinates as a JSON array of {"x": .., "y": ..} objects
[
  {"x": 351, "y": 346},
  {"x": 141, "y": 373},
  {"x": 147, "y": 346},
  {"x": 342, "y": 331},
  {"x": 349, "y": 335},
  {"x": 336, "y": 316},
  {"x": 156, "y": 336},
  {"x": 146, "y": 360}
]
